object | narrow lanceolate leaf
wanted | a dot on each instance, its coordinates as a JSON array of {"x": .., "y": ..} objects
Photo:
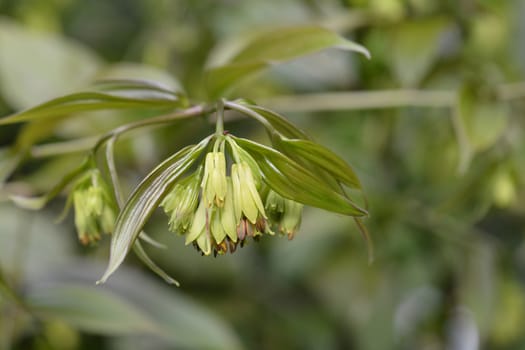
[
  {"x": 144, "y": 200},
  {"x": 37, "y": 203},
  {"x": 298, "y": 146},
  {"x": 297, "y": 183},
  {"x": 278, "y": 122},
  {"x": 305, "y": 151},
  {"x": 273, "y": 47},
  {"x": 103, "y": 96}
]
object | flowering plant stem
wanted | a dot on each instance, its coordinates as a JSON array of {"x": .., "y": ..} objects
[{"x": 219, "y": 126}]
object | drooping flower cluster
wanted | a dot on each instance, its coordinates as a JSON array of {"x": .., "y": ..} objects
[
  {"x": 95, "y": 209},
  {"x": 219, "y": 207}
]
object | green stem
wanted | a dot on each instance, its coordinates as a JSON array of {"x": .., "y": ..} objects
[
  {"x": 163, "y": 119},
  {"x": 337, "y": 101},
  {"x": 94, "y": 143},
  {"x": 112, "y": 169},
  {"x": 219, "y": 126}
]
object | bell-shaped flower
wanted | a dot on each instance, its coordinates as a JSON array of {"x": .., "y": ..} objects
[
  {"x": 214, "y": 180},
  {"x": 199, "y": 232},
  {"x": 246, "y": 199},
  {"x": 214, "y": 229},
  {"x": 180, "y": 204},
  {"x": 227, "y": 214}
]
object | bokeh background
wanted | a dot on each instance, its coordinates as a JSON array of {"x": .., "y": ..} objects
[{"x": 433, "y": 125}]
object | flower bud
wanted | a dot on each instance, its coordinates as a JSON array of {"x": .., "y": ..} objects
[
  {"x": 285, "y": 212},
  {"x": 181, "y": 203},
  {"x": 95, "y": 210},
  {"x": 199, "y": 231},
  {"x": 274, "y": 206},
  {"x": 291, "y": 219}
]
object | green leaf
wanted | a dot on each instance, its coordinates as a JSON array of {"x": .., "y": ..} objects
[
  {"x": 273, "y": 47},
  {"x": 113, "y": 95},
  {"x": 144, "y": 200},
  {"x": 294, "y": 182},
  {"x": 301, "y": 149},
  {"x": 89, "y": 309},
  {"x": 311, "y": 153},
  {"x": 36, "y": 66},
  {"x": 283, "y": 44}
]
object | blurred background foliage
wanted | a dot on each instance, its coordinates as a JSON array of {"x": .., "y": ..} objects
[{"x": 433, "y": 124}]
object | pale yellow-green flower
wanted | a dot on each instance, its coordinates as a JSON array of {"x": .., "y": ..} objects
[
  {"x": 95, "y": 210},
  {"x": 181, "y": 202},
  {"x": 214, "y": 180},
  {"x": 285, "y": 213},
  {"x": 246, "y": 199}
]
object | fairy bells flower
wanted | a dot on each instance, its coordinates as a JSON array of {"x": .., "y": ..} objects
[
  {"x": 95, "y": 210},
  {"x": 214, "y": 179},
  {"x": 285, "y": 213},
  {"x": 230, "y": 208},
  {"x": 181, "y": 203},
  {"x": 220, "y": 229},
  {"x": 247, "y": 201}
]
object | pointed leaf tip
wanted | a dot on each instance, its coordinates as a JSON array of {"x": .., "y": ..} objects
[{"x": 273, "y": 47}]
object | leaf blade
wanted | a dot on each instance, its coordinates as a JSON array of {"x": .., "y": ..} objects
[
  {"x": 120, "y": 96},
  {"x": 283, "y": 44},
  {"x": 274, "y": 47},
  {"x": 322, "y": 158},
  {"x": 143, "y": 200},
  {"x": 294, "y": 182}
]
